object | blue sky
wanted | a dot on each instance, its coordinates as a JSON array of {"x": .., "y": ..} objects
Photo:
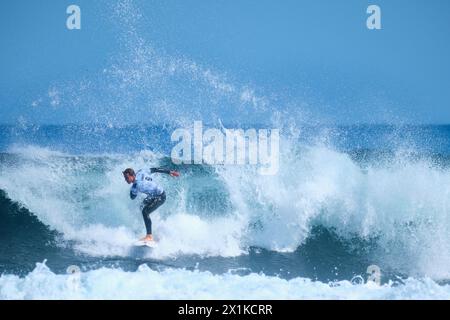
[{"x": 316, "y": 55}]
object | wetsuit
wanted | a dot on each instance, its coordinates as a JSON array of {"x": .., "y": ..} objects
[{"x": 155, "y": 194}]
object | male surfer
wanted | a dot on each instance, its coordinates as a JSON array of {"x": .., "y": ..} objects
[{"x": 142, "y": 182}]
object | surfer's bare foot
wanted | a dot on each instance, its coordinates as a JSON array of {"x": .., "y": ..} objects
[{"x": 148, "y": 237}]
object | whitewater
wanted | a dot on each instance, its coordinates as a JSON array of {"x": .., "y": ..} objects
[{"x": 344, "y": 198}]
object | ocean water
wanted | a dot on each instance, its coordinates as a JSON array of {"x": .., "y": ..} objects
[
  {"x": 345, "y": 197},
  {"x": 336, "y": 206}
]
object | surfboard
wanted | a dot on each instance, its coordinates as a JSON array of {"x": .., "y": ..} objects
[{"x": 141, "y": 243}]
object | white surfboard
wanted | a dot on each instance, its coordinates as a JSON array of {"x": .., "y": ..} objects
[{"x": 142, "y": 243}]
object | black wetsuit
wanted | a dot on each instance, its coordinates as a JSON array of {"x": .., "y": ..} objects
[
  {"x": 155, "y": 194},
  {"x": 150, "y": 204}
]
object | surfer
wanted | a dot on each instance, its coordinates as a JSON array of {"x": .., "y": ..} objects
[{"x": 142, "y": 182}]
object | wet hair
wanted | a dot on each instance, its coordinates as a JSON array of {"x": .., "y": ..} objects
[{"x": 129, "y": 172}]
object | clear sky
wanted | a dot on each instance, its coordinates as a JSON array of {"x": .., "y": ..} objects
[{"x": 315, "y": 54}]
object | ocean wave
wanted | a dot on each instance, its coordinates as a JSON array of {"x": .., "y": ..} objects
[
  {"x": 401, "y": 205},
  {"x": 145, "y": 283}
]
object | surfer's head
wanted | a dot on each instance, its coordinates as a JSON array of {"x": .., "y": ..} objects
[{"x": 129, "y": 175}]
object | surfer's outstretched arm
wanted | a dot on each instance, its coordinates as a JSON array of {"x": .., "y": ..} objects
[{"x": 161, "y": 170}]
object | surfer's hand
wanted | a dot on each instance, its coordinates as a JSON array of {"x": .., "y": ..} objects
[{"x": 174, "y": 173}]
